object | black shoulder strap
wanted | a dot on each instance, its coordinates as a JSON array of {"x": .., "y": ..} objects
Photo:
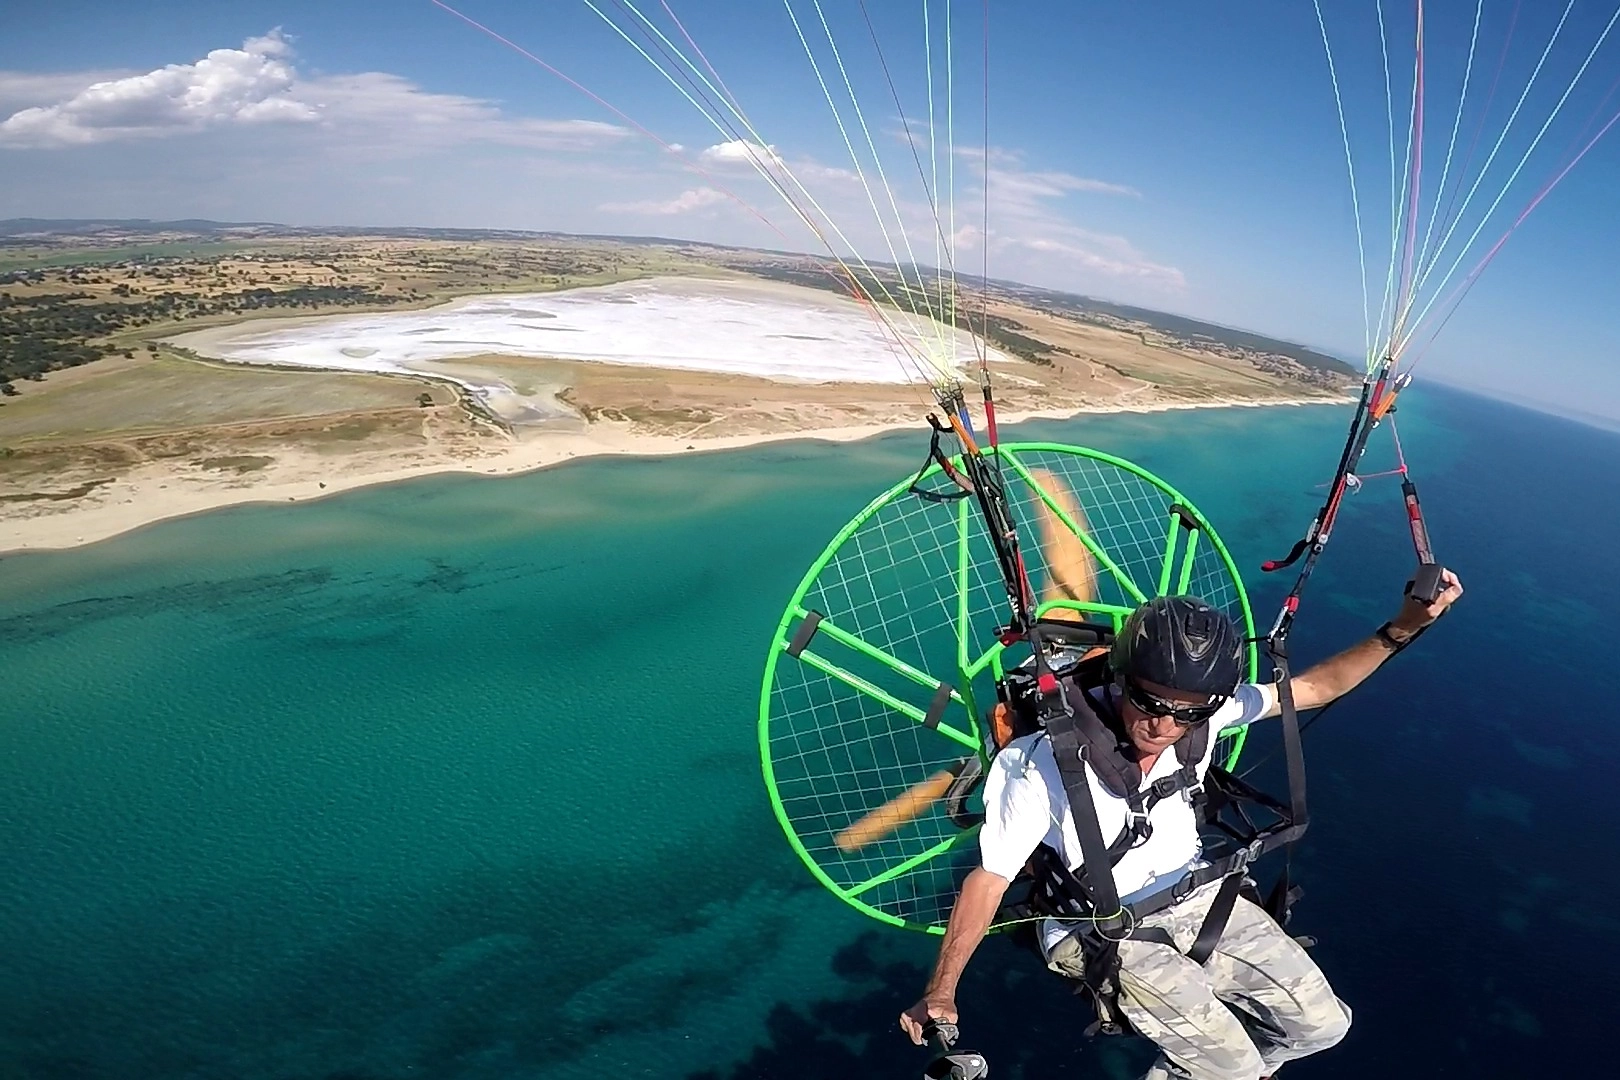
[
  {"x": 1283, "y": 893},
  {"x": 1293, "y": 751},
  {"x": 1191, "y": 750},
  {"x": 1071, "y": 762},
  {"x": 1108, "y": 752}
]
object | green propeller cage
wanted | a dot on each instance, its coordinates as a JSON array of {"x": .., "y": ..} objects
[{"x": 887, "y": 657}]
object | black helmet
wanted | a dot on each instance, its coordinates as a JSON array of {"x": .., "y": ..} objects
[{"x": 1182, "y": 643}]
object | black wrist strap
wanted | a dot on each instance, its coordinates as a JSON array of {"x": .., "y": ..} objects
[{"x": 1383, "y": 634}]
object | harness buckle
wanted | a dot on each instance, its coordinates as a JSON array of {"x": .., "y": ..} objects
[
  {"x": 1184, "y": 887},
  {"x": 1242, "y": 857},
  {"x": 1164, "y": 787}
]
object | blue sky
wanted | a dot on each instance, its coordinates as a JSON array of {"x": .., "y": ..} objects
[{"x": 1180, "y": 155}]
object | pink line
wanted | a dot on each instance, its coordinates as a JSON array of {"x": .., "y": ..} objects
[
  {"x": 1468, "y": 159},
  {"x": 1417, "y": 175},
  {"x": 615, "y": 110},
  {"x": 1455, "y": 299},
  {"x": 723, "y": 87}
]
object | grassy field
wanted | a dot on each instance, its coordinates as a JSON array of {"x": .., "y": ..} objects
[{"x": 159, "y": 393}]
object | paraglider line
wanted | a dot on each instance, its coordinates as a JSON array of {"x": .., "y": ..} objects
[
  {"x": 1515, "y": 175},
  {"x": 1456, "y": 124},
  {"x": 940, "y": 335},
  {"x": 1462, "y": 211},
  {"x": 775, "y": 183},
  {"x": 933, "y": 205},
  {"x": 984, "y": 232},
  {"x": 1355, "y": 200},
  {"x": 700, "y": 55},
  {"x": 1455, "y": 300},
  {"x": 849, "y": 146},
  {"x": 1468, "y": 159},
  {"x": 1414, "y": 184}
]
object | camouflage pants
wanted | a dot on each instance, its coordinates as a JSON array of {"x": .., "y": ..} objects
[{"x": 1257, "y": 969}]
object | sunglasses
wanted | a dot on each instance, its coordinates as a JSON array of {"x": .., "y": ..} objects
[{"x": 1180, "y": 711}]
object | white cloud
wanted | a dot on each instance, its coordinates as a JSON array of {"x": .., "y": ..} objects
[
  {"x": 1050, "y": 185},
  {"x": 250, "y": 85},
  {"x": 685, "y": 202},
  {"x": 386, "y": 109},
  {"x": 1025, "y": 220},
  {"x": 1009, "y": 178},
  {"x": 739, "y": 151},
  {"x": 257, "y": 85},
  {"x": 25, "y": 89},
  {"x": 810, "y": 170}
]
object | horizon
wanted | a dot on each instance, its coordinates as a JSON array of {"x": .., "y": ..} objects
[
  {"x": 338, "y": 229},
  {"x": 1191, "y": 166}
]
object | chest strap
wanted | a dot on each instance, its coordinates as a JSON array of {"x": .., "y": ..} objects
[{"x": 1114, "y": 921}]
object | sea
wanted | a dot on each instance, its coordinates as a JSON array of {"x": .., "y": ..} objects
[{"x": 459, "y": 777}]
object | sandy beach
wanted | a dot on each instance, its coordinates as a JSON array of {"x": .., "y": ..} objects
[{"x": 160, "y": 491}]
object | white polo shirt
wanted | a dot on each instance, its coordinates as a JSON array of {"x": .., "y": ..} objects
[{"x": 1025, "y": 805}]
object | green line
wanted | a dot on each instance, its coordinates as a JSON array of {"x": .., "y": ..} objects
[
  {"x": 984, "y": 658},
  {"x": 1169, "y": 554},
  {"x": 912, "y": 863},
  {"x": 872, "y": 652},
  {"x": 1187, "y": 562},
  {"x": 962, "y": 584},
  {"x": 904, "y": 708},
  {"x": 970, "y": 703},
  {"x": 1115, "y": 612}
]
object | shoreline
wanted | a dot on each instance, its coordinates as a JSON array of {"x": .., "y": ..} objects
[{"x": 146, "y": 498}]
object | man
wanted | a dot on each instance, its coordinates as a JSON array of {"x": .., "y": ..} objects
[{"x": 1176, "y": 666}]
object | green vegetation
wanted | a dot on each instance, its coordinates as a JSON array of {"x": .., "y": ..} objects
[
  {"x": 1000, "y": 333},
  {"x": 46, "y": 332},
  {"x": 1190, "y": 331},
  {"x": 30, "y": 258}
]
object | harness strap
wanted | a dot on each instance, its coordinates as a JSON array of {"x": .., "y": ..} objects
[
  {"x": 1155, "y": 934},
  {"x": 1099, "y": 887},
  {"x": 1214, "y": 925},
  {"x": 1236, "y": 864},
  {"x": 1139, "y": 804},
  {"x": 1293, "y": 752}
]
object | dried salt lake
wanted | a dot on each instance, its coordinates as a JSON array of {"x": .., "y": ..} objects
[{"x": 776, "y": 331}]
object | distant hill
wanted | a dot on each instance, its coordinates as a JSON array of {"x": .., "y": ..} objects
[
  {"x": 1180, "y": 326},
  {"x": 18, "y": 231},
  {"x": 94, "y": 226}
]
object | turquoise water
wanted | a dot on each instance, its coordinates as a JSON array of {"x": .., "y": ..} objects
[{"x": 459, "y": 777}]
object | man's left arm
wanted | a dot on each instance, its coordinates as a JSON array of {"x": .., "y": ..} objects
[{"x": 1337, "y": 676}]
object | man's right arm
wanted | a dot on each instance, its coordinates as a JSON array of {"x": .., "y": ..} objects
[{"x": 970, "y": 919}]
